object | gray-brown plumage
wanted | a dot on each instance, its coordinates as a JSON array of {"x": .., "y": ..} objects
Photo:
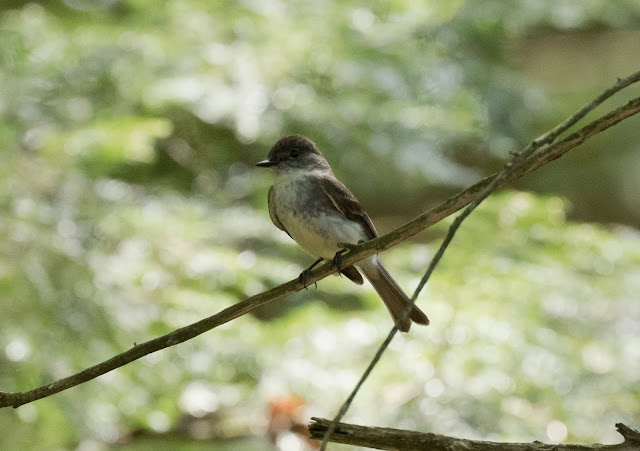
[{"x": 314, "y": 208}]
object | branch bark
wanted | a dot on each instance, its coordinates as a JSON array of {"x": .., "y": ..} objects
[
  {"x": 364, "y": 250},
  {"x": 510, "y": 168},
  {"x": 402, "y": 440}
]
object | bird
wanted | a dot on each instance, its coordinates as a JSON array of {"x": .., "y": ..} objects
[{"x": 316, "y": 210}]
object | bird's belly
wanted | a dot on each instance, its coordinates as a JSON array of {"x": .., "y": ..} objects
[{"x": 319, "y": 232}]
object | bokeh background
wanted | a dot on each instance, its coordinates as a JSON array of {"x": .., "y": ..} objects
[{"x": 130, "y": 206}]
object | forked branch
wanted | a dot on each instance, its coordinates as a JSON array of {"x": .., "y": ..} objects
[{"x": 364, "y": 250}]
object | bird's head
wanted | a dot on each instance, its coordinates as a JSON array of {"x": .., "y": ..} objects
[{"x": 294, "y": 153}]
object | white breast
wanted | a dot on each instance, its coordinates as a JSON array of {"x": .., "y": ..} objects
[{"x": 317, "y": 230}]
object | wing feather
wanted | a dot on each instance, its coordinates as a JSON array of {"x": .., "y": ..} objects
[
  {"x": 347, "y": 204},
  {"x": 272, "y": 211}
]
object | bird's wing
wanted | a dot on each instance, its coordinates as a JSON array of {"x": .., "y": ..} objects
[
  {"x": 272, "y": 211},
  {"x": 347, "y": 204}
]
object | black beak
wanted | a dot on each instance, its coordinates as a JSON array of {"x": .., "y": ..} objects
[{"x": 266, "y": 163}]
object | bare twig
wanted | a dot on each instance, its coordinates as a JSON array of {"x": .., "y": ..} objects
[
  {"x": 517, "y": 162},
  {"x": 362, "y": 251},
  {"x": 401, "y": 440}
]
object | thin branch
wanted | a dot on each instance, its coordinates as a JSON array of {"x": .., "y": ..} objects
[
  {"x": 518, "y": 161},
  {"x": 364, "y": 250},
  {"x": 401, "y": 440}
]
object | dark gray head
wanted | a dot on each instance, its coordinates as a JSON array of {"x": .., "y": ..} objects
[{"x": 294, "y": 152}]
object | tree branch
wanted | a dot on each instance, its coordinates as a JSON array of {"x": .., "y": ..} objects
[
  {"x": 401, "y": 440},
  {"x": 364, "y": 250},
  {"x": 518, "y": 161}
]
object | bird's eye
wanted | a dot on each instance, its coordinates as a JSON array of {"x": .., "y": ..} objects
[{"x": 294, "y": 153}]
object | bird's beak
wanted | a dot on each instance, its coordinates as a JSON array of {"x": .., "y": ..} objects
[{"x": 266, "y": 163}]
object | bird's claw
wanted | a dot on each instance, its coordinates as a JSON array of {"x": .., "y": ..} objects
[
  {"x": 302, "y": 278},
  {"x": 337, "y": 260}
]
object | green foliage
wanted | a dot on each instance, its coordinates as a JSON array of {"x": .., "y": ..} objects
[
  {"x": 532, "y": 320},
  {"x": 129, "y": 209}
]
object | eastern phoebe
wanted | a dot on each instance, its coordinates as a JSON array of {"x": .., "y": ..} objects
[{"x": 314, "y": 208}]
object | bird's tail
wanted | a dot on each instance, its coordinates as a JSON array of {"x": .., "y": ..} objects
[{"x": 394, "y": 298}]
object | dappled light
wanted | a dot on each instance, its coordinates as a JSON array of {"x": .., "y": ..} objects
[{"x": 131, "y": 207}]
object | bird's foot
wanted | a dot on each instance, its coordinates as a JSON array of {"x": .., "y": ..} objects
[
  {"x": 304, "y": 275},
  {"x": 346, "y": 247},
  {"x": 337, "y": 260},
  {"x": 302, "y": 278}
]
